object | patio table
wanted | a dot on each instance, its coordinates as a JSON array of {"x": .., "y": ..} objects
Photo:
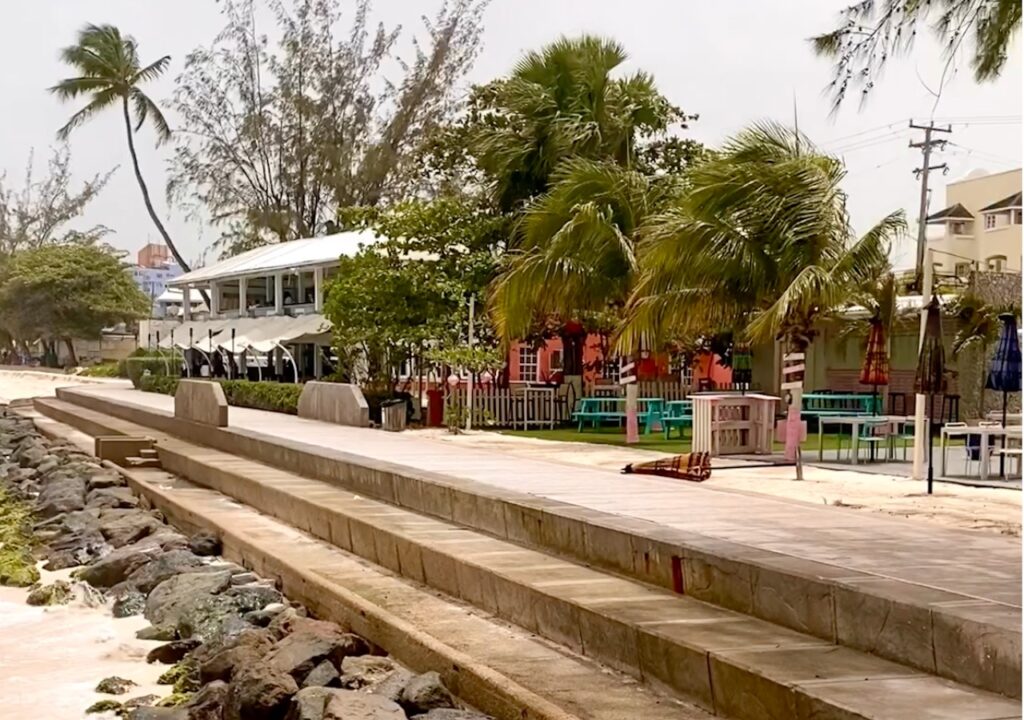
[
  {"x": 856, "y": 422},
  {"x": 985, "y": 432},
  {"x": 596, "y": 409}
]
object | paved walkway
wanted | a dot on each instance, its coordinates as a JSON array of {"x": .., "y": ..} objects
[{"x": 979, "y": 565}]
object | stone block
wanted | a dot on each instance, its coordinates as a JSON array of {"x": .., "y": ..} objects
[
  {"x": 201, "y": 401},
  {"x": 118, "y": 448},
  {"x": 338, "y": 403},
  {"x": 974, "y": 646}
]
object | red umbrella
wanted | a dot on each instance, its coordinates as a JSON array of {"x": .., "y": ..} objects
[{"x": 875, "y": 370}]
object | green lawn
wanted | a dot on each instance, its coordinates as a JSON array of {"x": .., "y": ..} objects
[{"x": 654, "y": 441}]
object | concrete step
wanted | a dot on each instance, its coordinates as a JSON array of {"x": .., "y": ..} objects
[
  {"x": 961, "y": 621},
  {"x": 729, "y": 663},
  {"x": 148, "y": 453},
  {"x": 142, "y": 462},
  {"x": 500, "y": 669}
]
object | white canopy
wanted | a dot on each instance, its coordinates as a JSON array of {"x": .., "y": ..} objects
[
  {"x": 262, "y": 334},
  {"x": 295, "y": 254},
  {"x": 200, "y": 332}
]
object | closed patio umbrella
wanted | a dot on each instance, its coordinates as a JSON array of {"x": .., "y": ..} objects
[
  {"x": 875, "y": 370},
  {"x": 931, "y": 370},
  {"x": 1004, "y": 373}
]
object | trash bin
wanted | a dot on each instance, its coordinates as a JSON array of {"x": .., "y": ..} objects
[
  {"x": 435, "y": 408},
  {"x": 393, "y": 415}
]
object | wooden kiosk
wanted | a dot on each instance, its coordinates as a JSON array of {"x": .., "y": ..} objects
[{"x": 731, "y": 424}]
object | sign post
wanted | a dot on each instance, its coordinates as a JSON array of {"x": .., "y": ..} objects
[
  {"x": 793, "y": 367},
  {"x": 627, "y": 377}
]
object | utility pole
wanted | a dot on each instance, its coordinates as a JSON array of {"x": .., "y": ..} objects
[{"x": 926, "y": 146}]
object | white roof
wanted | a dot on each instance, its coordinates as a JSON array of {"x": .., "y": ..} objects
[
  {"x": 262, "y": 334},
  {"x": 310, "y": 252},
  {"x": 176, "y": 296}
]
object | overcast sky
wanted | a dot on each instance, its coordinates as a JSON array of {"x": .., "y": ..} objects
[{"x": 731, "y": 61}]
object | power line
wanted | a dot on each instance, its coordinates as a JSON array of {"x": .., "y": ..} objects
[
  {"x": 870, "y": 142},
  {"x": 985, "y": 155},
  {"x": 842, "y": 138}
]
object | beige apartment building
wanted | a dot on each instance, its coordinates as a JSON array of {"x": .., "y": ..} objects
[{"x": 980, "y": 225}]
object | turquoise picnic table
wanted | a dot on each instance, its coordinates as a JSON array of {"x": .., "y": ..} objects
[
  {"x": 678, "y": 414},
  {"x": 596, "y": 410},
  {"x": 838, "y": 404}
]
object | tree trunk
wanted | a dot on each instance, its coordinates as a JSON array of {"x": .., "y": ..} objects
[
  {"x": 72, "y": 357},
  {"x": 572, "y": 353},
  {"x": 984, "y": 377},
  {"x": 149, "y": 203}
]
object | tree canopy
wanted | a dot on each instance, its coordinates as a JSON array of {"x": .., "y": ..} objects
[
  {"x": 68, "y": 291},
  {"x": 871, "y": 33},
  {"x": 274, "y": 140}
]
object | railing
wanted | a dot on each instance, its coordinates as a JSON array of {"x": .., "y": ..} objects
[{"x": 515, "y": 407}]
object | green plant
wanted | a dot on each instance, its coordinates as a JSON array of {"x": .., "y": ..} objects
[
  {"x": 136, "y": 367},
  {"x": 108, "y": 369},
  {"x": 164, "y": 384},
  {"x": 276, "y": 397}
]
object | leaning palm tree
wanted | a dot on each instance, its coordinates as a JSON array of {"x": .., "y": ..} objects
[
  {"x": 562, "y": 102},
  {"x": 576, "y": 252},
  {"x": 109, "y": 74},
  {"x": 761, "y": 240}
]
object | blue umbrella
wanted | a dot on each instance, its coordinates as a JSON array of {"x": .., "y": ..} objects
[{"x": 1004, "y": 374}]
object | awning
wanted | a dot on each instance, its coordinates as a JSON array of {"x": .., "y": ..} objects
[
  {"x": 200, "y": 332},
  {"x": 266, "y": 333}
]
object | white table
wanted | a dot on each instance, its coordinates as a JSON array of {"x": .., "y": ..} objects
[
  {"x": 985, "y": 450},
  {"x": 855, "y": 422},
  {"x": 997, "y": 416}
]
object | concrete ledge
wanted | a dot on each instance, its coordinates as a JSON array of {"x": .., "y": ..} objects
[
  {"x": 201, "y": 401},
  {"x": 930, "y": 633},
  {"x": 118, "y": 448},
  {"x": 338, "y": 403}
]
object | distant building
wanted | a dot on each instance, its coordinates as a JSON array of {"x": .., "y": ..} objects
[
  {"x": 980, "y": 225},
  {"x": 154, "y": 270}
]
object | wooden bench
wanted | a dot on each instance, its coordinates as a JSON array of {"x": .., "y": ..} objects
[{"x": 678, "y": 414}]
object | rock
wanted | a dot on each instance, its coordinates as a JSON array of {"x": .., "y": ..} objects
[
  {"x": 367, "y": 671},
  {"x": 49, "y": 463},
  {"x": 30, "y": 454},
  {"x": 114, "y": 497},
  {"x": 244, "y": 578},
  {"x": 183, "y": 676},
  {"x": 128, "y": 604},
  {"x": 309, "y": 704},
  {"x": 74, "y": 548},
  {"x": 220, "y": 661},
  {"x": 290, "y": 620},
  {"x": 140, "y": 701},
  {"x": 157, "y": 632},
  {"x": 204, "y": 543},
  {"x": 114, "y": 685},
  {"x": 174, "y": 597},
  {"x": 323, "y": 675},
  {"x": 392, "y": 685},
  {"x": 263, "y": 618},
  {"x": 158, "y": 713},
  {"x": 102, "y": 482},
  {"x": 304, "y": 649},
  {"x": 56, "y": 593},
  {"x": 209, "y": 702},
  {"x": 452, "y": 714},
  {"x": 163, "y": 567},
  {"x": 62, "y": 495},
  {"x": 426, "y": 692},
  {"x": 101, "y": 706},
  {"x": 115, "y": 566},
  {"x": 212, "y": 618},
  {"x": 259, "y": 692},
  {"x": 255, "y": 597},
  {"x": 124, "y": 529},
  {"x": 351, "y": 705},
  {"x": 172, "y": 652}
]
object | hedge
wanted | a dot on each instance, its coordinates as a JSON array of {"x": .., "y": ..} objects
[
  {"x": 157, "y": 362},
  {"x": 273, "y": 396}
]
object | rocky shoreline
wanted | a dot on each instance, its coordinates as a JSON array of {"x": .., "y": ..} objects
[{"x": 236, "y": 649}]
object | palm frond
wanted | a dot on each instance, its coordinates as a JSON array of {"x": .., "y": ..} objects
[
  {"x": 100, "y": 101},
  {"x": 146, "y": 108}
]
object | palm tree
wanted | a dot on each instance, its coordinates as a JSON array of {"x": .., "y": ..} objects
[
  {"x": 562, "y": 102},
  {"x": 109, "y": 73},
  {"x": 760, "y": 239},
  {"x": 978, "y": 327},
  {"x": 576, "y": 253}
]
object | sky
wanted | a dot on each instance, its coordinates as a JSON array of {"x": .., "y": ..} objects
[{"x": 732, "y": 61}]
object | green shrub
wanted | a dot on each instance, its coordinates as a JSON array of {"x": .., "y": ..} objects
[
  {"x": 277, "y": 397},
  {"x": 107, "y": 369},
  {"x": 273, "y": 396},
  {"x": 164, "y": 384},
  {"x": 157, "y": 364}
]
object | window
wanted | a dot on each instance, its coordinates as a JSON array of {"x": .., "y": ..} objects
[
  {"x": 1015, "y": 217},
  {"x": 990, "y": 221},
  {"x": 959, "y": 228},
  {"x": 610, "y": 368},
  {"x": 963, "y": 269},
  {"x": 996, "y": 263},
  {"x": 529, "y": 366},
  {"x": 555, "y": 361}
]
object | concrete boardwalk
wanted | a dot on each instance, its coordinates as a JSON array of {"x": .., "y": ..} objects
[{"x": 979, "y": 566}]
